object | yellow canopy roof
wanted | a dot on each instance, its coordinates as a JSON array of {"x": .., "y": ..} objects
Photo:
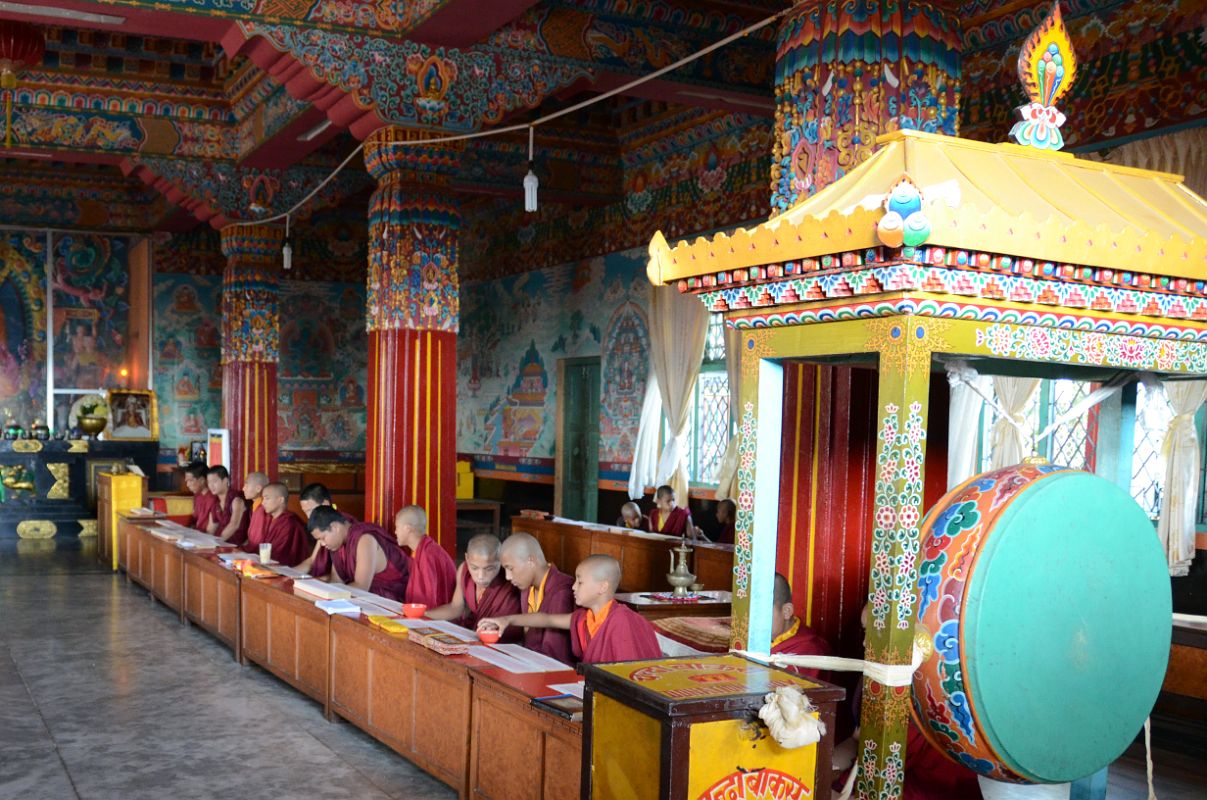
[{"x": 997, "y": 198}]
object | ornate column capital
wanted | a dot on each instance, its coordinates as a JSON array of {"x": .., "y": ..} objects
[
  {"x": 252, "y": 245},
  {"x": 396, "y": 154}
]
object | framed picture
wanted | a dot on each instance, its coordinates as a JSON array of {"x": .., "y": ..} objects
[
  {"x": 196, "y": 451},
  {"x": 133, "y": 416},
  {"x": 219, "y": 450}
]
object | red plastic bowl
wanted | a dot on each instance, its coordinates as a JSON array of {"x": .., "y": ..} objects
[
  {"x": 488, "y": 637},
  {"x": 413, "y": 610}
]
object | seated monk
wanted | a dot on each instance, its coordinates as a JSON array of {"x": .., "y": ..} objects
[
  {"x": 433, "y": 573},
  {"x": 544, "y": 589},
  {"x": 482, "y": 590},
  {"x": 632, "y": 518},
  {"x": 228, "y": 518},
  {"x": 727, "y": 515},
  {"x": 283, "y": 529},
  {"x": 314, "y": 495},
  {"x": 253, "y": 489},
  {"x": 789, "y": 635},
  {"x": 601, "y": 630},
  {"x": 203, "y": 500},
  {"x": 359, "y": 554},
  {"x": 667, "y": 517}
]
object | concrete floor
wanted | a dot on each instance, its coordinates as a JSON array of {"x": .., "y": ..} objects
[{"x": 105, "y": 695}]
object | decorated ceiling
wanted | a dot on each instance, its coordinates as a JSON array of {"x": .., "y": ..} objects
[{"x": 165, "y": 115}]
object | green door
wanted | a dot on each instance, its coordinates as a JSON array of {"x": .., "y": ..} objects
[{"x": 580, "y": 439}]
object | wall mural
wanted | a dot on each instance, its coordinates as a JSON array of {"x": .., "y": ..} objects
[
  {"x": 23, "y": 326},
  {"x": 187, "y": 342},
  {"x": 514, "y": 330},
  {"x": 91, "y": 318},
  {"x": 323, "y": 372}
]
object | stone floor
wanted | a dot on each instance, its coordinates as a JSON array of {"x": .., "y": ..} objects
[{"x": 105, "y": 695}]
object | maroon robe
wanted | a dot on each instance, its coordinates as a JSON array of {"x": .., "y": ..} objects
[
  {"x": 391, "y": 582},
  {"x": 257, "y": 526},
  {"x": 805, "y": 642},
  {"x": 500, "y": 599},
  {"x": 726, "y": 534},
  {"x": 678, "y": 522},
  {"x": 203, "y": 504},
  {"x": 222, "y": 512},
  {"x": 286, "y": 533},
  {"x": 558, "y": 599},
  {"x": 624, "y": 636},
  {"x": 643, "y": 523},
  {"x": 433, "y": 575},
  {"x": 930, "y": 775}
]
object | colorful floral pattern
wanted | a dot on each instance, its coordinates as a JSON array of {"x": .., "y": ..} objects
[
  {"x": 744, "y": 524},
  {"x": 1075, "y": 347}
]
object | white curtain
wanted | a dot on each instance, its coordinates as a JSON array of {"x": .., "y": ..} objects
[
  {"x": 643, "y": 471},
  {"x": 727, "y": 475},
  {"x": 678, "y": 329},
  {"x": 963, "y": 431},
  {"x": 1012, "y": 434},
  {"x": 1179, "y": 502}
]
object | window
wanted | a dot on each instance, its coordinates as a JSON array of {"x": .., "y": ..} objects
[
  {"x": 710, "y": 421},
  {"x": 1148, "y": 464}
]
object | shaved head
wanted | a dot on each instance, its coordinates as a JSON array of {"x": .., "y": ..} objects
[
  {"x": 782, "y": 593},
  {"x": 484, "y": 545},
  {"x": 522, "y": 545},
  {"x": 412, "y": 515},
  {"x": 257, "y": 479},
  {"x": 602, "y": 568},
  {"x": 276, "y": 490}
]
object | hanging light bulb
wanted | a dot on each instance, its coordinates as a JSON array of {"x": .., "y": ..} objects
[
  {"x": 530, "y": 180},
  {"x": 287, "y": 250}
]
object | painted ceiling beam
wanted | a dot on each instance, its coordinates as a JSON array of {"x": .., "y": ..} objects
[{"x": 461, "y": 23}]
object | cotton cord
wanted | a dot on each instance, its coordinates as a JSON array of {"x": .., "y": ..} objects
[
  {"x": 789, "y": 716},
  {"x": 1148, "y": 756},
  {"x": 884, "y": 674}
]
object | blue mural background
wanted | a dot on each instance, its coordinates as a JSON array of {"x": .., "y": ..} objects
[{"x": 23, "y": 326}]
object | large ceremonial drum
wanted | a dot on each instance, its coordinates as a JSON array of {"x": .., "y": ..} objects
[{"x": 1046, "y": 595}]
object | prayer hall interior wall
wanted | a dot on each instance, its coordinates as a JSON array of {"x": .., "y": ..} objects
[{"x": 98, "y": 326}]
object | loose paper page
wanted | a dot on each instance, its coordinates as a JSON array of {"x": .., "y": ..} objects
[
  {"x": 392, "y": 606},
  {"x": 574, "y": 689},
  {"x": 344, "y": 607},
  {"x": 492, "y": 656},
  {"x": 289, "y": 572},
  {"x": 531, "y": 657}
]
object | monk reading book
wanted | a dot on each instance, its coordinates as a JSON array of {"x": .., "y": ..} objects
[
  {"x": 281, "y": 528},
  {"x": 727, "y": 514},
  {"x": 543, "y": 589},
  {"x": 669, "y": 518},
  {"x": 253, "y": 490},
  {"x": 359, "y": 554},
  {"x": 203, "y": 500},
  {"x": 632, "y": 518},
  {"x": 316, "y": 494},
  {"x": 601, "y": 630},
  {"x": 433, "y": 573},
  {"x": 228, "y": 518},
  {"x": 788, "y": 634},
  {"x": 482, "y": 590}
]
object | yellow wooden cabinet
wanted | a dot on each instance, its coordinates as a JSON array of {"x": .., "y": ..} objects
[{"x": 116, "y": 494}]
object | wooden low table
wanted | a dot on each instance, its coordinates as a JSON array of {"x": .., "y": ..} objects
[
  {"x": 287, "y": 635},
  {"x": 155, "y": 564},
  {"x": 710, "y": 604},
  {"x": 211, "y": 599}
]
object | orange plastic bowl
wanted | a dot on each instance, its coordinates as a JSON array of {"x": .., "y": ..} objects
[
  {"x": 413, "y": 610},
  {"x": 488, "y": 637}
]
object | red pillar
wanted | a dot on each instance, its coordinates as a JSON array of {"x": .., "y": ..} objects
[
  {"x": 413, "y": 312},
  {"x": 250, "y": 347}
]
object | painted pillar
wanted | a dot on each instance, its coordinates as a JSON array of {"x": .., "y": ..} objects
[
  {"x": 251, "y": 335},
  {"x": 413, "y": 310},
  {"x": 846, "y": 73}
]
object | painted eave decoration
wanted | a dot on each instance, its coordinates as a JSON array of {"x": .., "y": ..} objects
[{"x": 1000, "y": 198}]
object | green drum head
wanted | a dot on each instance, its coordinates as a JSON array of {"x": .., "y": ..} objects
[{"x": 1066, "y": 627}]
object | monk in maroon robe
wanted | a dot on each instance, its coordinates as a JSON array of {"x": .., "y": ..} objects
[
  {"x": 359, "y": 554},
  {"x": 433, "y": 573},
  {"x": 253, "y": 494},
  {"x": 789, "y": 635},
  {"x": 632, "y": 519},
  {"x": 669, "y": 518},
  {"x": 601, "y": 630},
  {"x": 282, "y": 528},
  {"x": 727, "y": 514},
  {"x": 228, "y": 518},
  {"x": 482, "y": 590},
  {"x": 203, "y": 501},
  {"x": 543, "y": 590}
]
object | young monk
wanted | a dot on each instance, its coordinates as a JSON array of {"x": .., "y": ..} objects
[
  {"x": 433, "y": 573},
  {"x": 669, "y": 518},
  {"x": 601, "y": 630},
  {"x": 228, "y": 518},
  {"x": 359, "y": 554},
  {"x": 283, "y": 529},
  {"x": 482, "y": 590},
  {"x": 543, "y": 589},
  {"x": 203, "y": 500},
  {"x": 632, "y": 518},
  {"x": 788, "y": 634},
  {"x": 253, "y": 488},
  {"x": 727, "y": 515}
]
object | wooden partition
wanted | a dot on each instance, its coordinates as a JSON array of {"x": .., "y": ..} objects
[
  {"x": 644, "y": 557},
  {"x": 211, "y": 599},
  {"x": 286, "y": 635}
]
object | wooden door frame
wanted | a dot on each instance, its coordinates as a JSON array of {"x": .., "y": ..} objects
[{"x": 559, "y": 449}]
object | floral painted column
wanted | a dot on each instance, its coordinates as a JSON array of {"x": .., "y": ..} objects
[
  {"x": 412, "y": 318},
  {"x": 846, "y": 73},
  {"x": 251, "y": 334}
]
